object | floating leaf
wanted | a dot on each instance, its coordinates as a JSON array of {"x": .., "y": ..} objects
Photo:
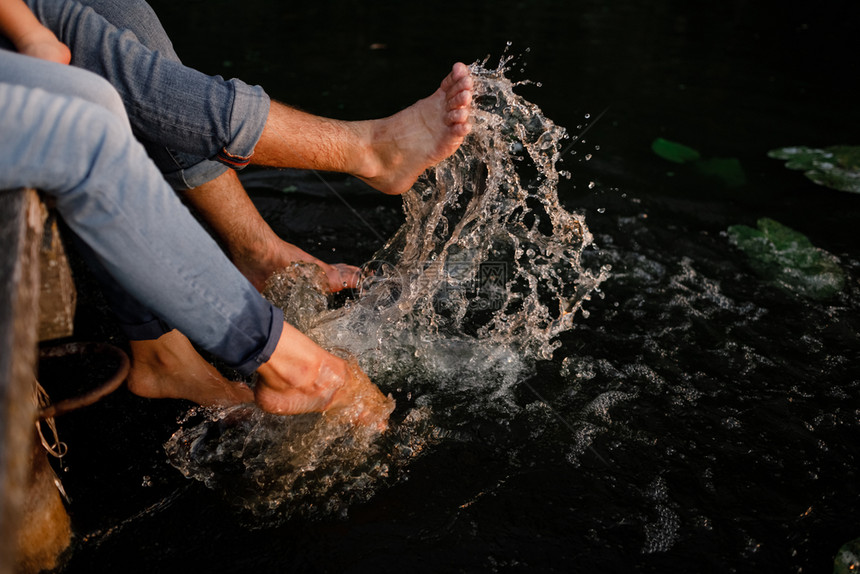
[
  {"x": 848, "y": 558},
  {"x": 788, "y": 259},
  {"x": 673, "y": 151},
  {"x": 836, "y": 167}
]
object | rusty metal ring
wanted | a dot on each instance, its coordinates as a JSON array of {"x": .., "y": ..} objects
[{"x": 109, "y": 386}]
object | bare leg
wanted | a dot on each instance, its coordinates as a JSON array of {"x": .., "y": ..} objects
[
  {"x": 302, "y": 377},
  {"x": 251, "y": 244},
  {"x": 170, "y": 367},
  {"x": 389, "y": 153}
]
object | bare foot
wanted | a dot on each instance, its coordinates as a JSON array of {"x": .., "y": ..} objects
[
  {"x": 260, "y": 258},
  {"x": 422, "y": 135},
  {"x": 389, "y": 153},
  {"x": 170, "y": 368},
  {"x": 301, "y": 377},
  {"x": 251, "y": 244}
]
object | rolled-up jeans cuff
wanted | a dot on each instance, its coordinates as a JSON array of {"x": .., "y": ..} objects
[
  {"x": 195, "y": 175},
  {"x": 275, "y": 329},
  {"x": 247, "y": 119}
]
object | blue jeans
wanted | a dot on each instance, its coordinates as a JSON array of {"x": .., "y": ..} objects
[
  {"x": 64, "y": 132},
  {"x": 194, "y": 126}
]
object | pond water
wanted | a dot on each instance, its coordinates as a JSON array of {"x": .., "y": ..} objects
[{"x": 699, "y": 412}]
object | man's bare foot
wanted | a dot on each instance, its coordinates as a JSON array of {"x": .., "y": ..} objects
[
  {"x": 251, "y": 244},
  {"x": 170, "y": 368},
  {"x": 389, "y": 153},
  {"x": 422, "y": 135},
  {"x": 301, "y": 377},
  {"x": 260, "y": 258}
]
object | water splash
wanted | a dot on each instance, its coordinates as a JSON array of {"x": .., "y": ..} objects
[{"x": 475, "y": 287}]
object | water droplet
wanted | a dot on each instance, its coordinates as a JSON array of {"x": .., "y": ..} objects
[
  {"x": 587, "y": 157},
  {"x": 509, "y": 43},
  {"x": 591, "y": 186},
  {"x": 601, "y": 210},
  {"x": 587, "y": 116},
  {"x": 597, "y": 148}
]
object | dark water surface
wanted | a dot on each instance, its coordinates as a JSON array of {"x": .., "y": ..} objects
[{"x": 700, "y": 419}]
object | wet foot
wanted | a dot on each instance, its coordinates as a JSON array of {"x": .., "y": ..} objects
[
  {"x": 170, "y": 368},
  {"x": 249, "y": 241},
  {"x": 268, "y": 254},
  {"x": 422, "y": 135},
  {"x": 302, "y": 377}
]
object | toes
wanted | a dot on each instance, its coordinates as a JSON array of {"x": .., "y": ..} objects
[
  {"x": 349, "y": 275},
  {"x": 459, "y": 116},
  {"x": 458, "y": 73},
  {"x": 341, "y": 276},
  {"x": 460, "y": 100},
  {"x": 459, "y": 70}
]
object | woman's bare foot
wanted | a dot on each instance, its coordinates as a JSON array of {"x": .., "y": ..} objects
[
  {"x": 301, "y": 377},
  {"x": 422, "y": 135},
  {"x": 170, "y": 368}
]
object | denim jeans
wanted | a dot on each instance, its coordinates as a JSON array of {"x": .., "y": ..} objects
[
  {"x": 63, "y": 131},
  {"x": 194, "y": 126}
]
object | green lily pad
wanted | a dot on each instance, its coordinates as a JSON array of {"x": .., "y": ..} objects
[
  {"x": 674, "y": 151},
  {"x": 836, "y": 167},
  {"x": 787, "y": 259},
  {"x": 848, "y": 558}
]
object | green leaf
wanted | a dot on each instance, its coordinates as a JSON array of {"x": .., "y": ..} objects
[
  {"x": 673, "y": 151},
  {"x": 847, "y": 560},
  {"x": 836, "y": 167},
  {"x": 787, "y": 259}
]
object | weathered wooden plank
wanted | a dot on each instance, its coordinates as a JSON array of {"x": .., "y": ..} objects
[
  {"x": 20, "y": 234},
  {"x": 58, "y": 295},
  {"x": 34, "y": 526}
]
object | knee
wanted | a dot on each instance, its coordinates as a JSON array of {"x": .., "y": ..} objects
[
  {"x": 138, "y": 17},
  {"x": 103, "y": 94}
]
